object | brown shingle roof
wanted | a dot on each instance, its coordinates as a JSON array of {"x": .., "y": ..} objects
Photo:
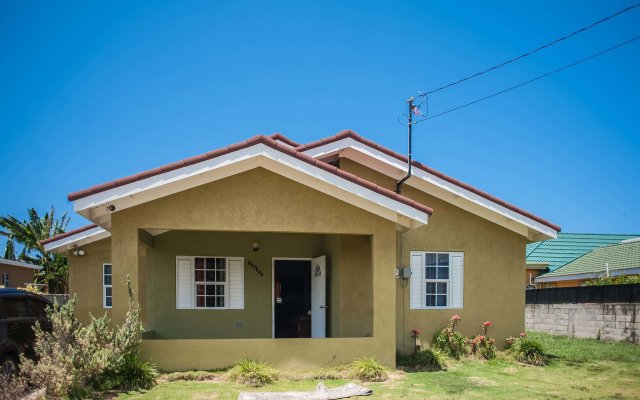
[
  {"x": 259, "y": 139},
  {"x": 69, "y": 233}
]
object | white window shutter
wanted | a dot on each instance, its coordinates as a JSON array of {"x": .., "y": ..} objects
[
  {"x": 236, "y": 283},
  {"x": 184, "y": 283},
  {"x": 457, "y": 280},
  {"x": 416, "y": 287}
]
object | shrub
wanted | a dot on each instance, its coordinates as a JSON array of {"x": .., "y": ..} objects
[
  {"x": 614, "y": 280},
  {"x": 451, "y": 342},
  {"x": 75, "y": 360},
  {"x": 253, "y": 373},
  {"x": 430, "y": 359},
  {"x": 367, "y": 369},
  {"x": 12, "y": 387},
  {"x": 482, "y": 345},
  {"x": 130, "y": 374},
  {"x": 529, "y": 351},
  {"x": 189, "y": 376}
]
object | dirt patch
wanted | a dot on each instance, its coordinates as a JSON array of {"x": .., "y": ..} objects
[
  {"x": 211, "y": 396},
  {"x": 481, "y": 382}
]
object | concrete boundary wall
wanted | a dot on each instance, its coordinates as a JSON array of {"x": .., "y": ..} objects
[{"x": 609, "y": 321}]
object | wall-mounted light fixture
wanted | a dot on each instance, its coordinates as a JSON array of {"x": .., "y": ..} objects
[
  {"x": 255, "y": 246},
  {"x": 78, "y": 252}
]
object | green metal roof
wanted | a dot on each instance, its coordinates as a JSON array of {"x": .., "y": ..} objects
[
  {"x": 619, "y": 256},
  {"x": 569, "y": 246}
]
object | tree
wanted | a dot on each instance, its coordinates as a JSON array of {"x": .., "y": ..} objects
[{"x": 28, "y": 233}]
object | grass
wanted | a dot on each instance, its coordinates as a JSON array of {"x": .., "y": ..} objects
[{"x": 578, "y": 369}]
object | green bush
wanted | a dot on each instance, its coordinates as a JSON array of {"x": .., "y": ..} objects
[
  {"x": 132, "y": 374},
  {"x": 75, "y": 360},
  {"x": 367, "y": 369},
  {"x": 432, "y": 359},
  {"x": 529, "y": 351},
  {"x": 253, "y": 373},
  {"x": 614, "y": 280}
]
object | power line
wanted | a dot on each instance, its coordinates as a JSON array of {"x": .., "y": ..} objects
[
  {"x": 531, "y": 80},
  {"x": 533, "y": 51}
]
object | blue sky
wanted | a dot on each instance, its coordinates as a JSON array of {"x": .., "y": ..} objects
[{"x": 93, "y": 91}]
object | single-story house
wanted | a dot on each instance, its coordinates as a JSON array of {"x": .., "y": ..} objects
[
  {"x": 302, "y": 255},
  {"x": 549, "y": 255},
  {"x": 612, "y": 260},
  {"x": 16, "y": 274}
]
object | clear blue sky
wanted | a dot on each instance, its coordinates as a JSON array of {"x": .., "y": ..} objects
[{"x": 92, "y": 91}]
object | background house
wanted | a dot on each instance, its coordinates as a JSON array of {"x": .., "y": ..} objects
[
  {"x": 16, "y": 273},
  {"x": 548, "y": 256},
  {"x": 613, "y": 260}
]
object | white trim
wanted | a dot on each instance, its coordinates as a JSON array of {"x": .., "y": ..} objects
[
  {"x": 259, "y": 155},
  {"x": 591, "y": 275},
  {"x": 19, "y": 264},
  {"x": 396, "y": 168},
  {"x": 273, "y": 283},
  {"x": 78, "y": 239},
  {"x": 104, "y": 287}
]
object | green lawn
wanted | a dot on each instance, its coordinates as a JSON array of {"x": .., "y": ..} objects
[{"x": 580, "y": 369}]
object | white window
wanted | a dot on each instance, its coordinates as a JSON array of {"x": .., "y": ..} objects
[
  {"x": 5, "y": 279},
  {"x": 107, "y": 286},
  {"x": 436, "y": 279},
  {"x": 208, "y": 282}
]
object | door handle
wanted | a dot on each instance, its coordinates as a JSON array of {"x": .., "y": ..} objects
[{"x": 324, "y": 307}]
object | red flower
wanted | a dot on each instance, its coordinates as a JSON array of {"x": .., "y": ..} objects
[
  {"x": 416, "y": 331},
  {"x": 523, "y": 335},
  {"x": 487, "y": 324},
  {"x": 456, "y": 318}
]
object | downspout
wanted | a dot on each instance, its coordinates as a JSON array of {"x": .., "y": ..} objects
[{"x": 410, "y": 125}]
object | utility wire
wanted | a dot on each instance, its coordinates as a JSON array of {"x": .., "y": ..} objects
[
  {"x": 531, "y": 80},
  {"x": 532, "y": 51}
]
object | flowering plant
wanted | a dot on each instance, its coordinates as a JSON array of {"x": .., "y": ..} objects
[
  {"x": 452, "y": 342},
  {"x": 483, "y": 345},
  {"x": 416, "y": 337}
]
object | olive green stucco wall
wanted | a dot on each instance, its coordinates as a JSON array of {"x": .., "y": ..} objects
[
  {"x": 255, "y": 320},
  {"x": 493, "y": 259},
  {"x": 266, "y": 207},
  {"x": 85, "y": 278}
]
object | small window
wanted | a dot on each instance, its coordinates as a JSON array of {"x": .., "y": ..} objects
[
  {"x": 107, "y": 286},
  {"x": 5, "y": 279},
  {"x": 211, "y": 281},
  {"x": 436, "y": 279}
]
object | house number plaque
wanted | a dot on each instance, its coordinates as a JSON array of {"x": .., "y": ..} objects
[{"x": 256, "y": 268}]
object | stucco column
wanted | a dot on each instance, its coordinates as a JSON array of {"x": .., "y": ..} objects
[
  {"x": 124, "y": 255},
  {"x": 384, "y": 296}
]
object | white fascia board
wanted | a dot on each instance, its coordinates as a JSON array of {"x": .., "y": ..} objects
[
  {"x": 592, "y": 275},
  {"x": 20, "y": 264},
  {"x": 227, "y": 165},
  {"x": 79, "y": 239},
  {"x": 339, "y": 145}
]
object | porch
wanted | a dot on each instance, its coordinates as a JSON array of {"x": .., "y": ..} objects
[{"x": 295, "y": 299}]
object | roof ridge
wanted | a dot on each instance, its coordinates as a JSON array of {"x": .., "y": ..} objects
[{"x": 351, "y": 134}]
